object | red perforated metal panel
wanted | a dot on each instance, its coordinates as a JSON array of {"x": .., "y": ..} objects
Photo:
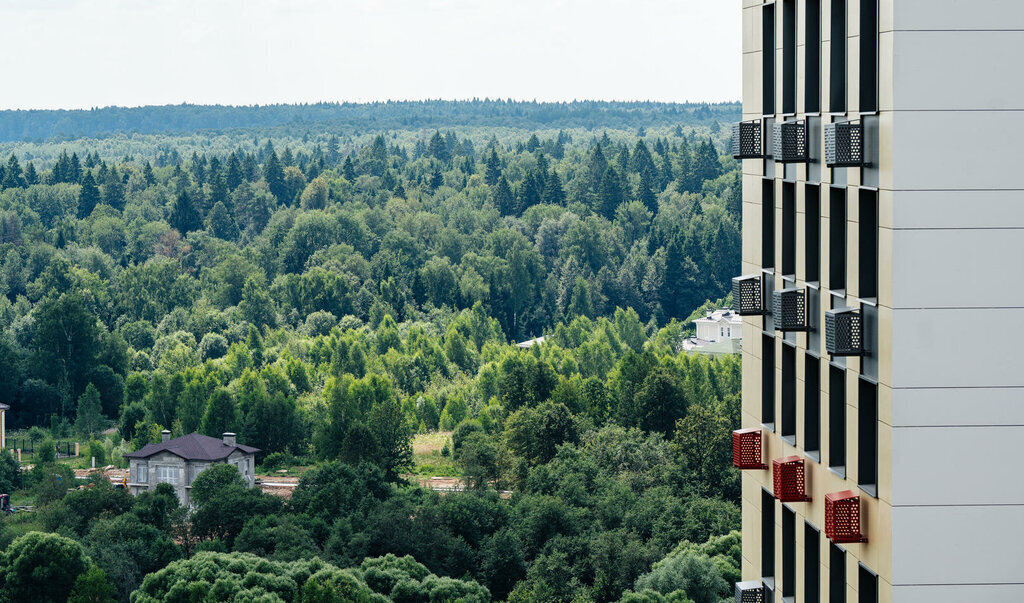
[
  {"x": 788, "y": 479},
  {"x": 746, "y": 449},
  {"x": 842, "y": 517}
]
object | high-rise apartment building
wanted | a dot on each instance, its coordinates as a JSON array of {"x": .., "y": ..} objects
[{"x": 883, "y": 301}]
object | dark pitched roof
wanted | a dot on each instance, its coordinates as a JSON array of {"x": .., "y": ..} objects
[
  {"x": 192, "y": 447},
  {"x": 4, "y": 407}
]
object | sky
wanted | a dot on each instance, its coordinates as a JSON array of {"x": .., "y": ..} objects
[{"x": 74, "y": 54}]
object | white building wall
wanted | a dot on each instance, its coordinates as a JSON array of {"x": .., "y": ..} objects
[{"x": 957, "y": 299}]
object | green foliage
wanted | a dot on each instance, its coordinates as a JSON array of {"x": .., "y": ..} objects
[
  {"x": 11, "y": 477},
  {"x": 93, "y": 587},
  {"x": 41, "y": 567}
]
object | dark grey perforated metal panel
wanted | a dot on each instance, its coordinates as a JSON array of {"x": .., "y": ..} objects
[
  {"x": 789, "y": 139},
  {"x": 746, "y": 140},
  {"x": 844, "y": 144},
  {"x": 789, "y": 309},
  {"x": 844, "y": 332},
  {"x": 746, "y": 295},
  {"x": 750, "y": 592}
]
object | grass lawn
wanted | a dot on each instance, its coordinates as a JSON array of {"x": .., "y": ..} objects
[{"x": 426, "y": 455}]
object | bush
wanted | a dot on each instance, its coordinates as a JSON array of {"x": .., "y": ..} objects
[
  {"x": 46, "y": 453},
  {"x": 98, "y": 452},
  {"x": 41, "y": 567},
  {"x": 278, "y": 460},
  {"x": 10, "y": 473},
  {"x": 212, "y": 346}
]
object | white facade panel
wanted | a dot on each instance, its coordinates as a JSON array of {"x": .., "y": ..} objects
[
  {"x": 943, "y": 150},
  {"x": 958, "y": 545},
  {"x": 958, "y": 14},
  {"x": 946, "y": 407},
  {"x": 990, "y": 593},
  {"x": 955, "y": 466},
  {"x": 957, "y": 269},
  {"x": 926, "y": 351},
  {"x": 954, "y": 70},
  {"x": 958, "y": 209}
]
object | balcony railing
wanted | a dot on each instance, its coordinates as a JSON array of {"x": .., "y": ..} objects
[
  {"x": 746, "y": 449},
  {"x": 842, "y": 517},
  {"x": 788, "y": 479},
  {"x": 844, "y": 332},
  {"x": 748, "y": 295},
  {"x": 746, "y": 140},
  {"x": 789, "y": 309},
  {"x": 789, "y": 140},
  {"x": 844, "y": 144}
]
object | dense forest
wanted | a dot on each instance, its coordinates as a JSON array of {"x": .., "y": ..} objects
[{"x": 329, "y": 295}]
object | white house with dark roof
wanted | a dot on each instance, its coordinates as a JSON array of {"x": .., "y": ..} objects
[
  {"x": 719, "y": 325},
  {"x": 3, "y": 426},
  {"x": 179, "y": 461}
]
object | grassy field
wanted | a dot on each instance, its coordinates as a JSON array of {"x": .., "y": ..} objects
[{"x": 427, "y": 458}]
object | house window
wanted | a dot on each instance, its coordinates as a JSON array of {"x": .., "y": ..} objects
[
  {"x": 768, "y": 379},
  {"x": 812, "y": 403},
  {"x": 721, "y": 331},
  {"x": 867, "y": 587},
  {"x": 837, "y": 419},
  {"x": 166, "y": 474},
  {"x": 837, "y": 239},
  {"x": 767, "y": 535},
  {"x": 788, "y": 552},
  {"x": 812, "y": 58},
  {"x": 837, "y": 63},
  {"x": 867, "y": 436},
  {"x": 788, "y": 430},
  {"x": 812, "y": 565},
  {"x": 141, "y": 473},
  {"x": 836, "y": 574}
]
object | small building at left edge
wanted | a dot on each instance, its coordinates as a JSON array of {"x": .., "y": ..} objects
[
  {"x": 177, "y": 462},
  {"x": 3, "y": 426}
]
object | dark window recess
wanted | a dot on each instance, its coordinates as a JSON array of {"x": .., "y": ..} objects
[
  {"x": 837, "y": 58},
  {"x": 812, "y": 565},
  {"x": 768, "y": 223},
  {"x": 768, "y": 60},
  {"x": 836, "y": 574},
  {"x": 837, "y": 239},
  {"x": 836, "y": 416},
  {"x": 788, "y": 552},
  {"x": 812, "y": 233},
  {"x": 812, "y": 57},
  {"x": 868, "y": 55},
  {"x": 867, "y": 433},
  {"x": 788, "y": 228},
  {"x": 868, "y": 241},
  {"x": 789, "y": 56},
  {"x": 788, "y": 391},
  {"x": 812, "y": 403},
  {"x": 767, "y": 535},
  {"x": 867, "y": 587},
  {"x": 768, "y": 379}
]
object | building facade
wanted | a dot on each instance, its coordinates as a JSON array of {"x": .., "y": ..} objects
[
  {"x": 177, "y": 462},
  {"x": 883, "y": 207}
]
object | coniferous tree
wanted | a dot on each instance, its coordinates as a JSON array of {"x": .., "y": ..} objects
[
  {"x": 31, "y": 176},
  {"x": 554, "y": 194},
  {"x": 113, "y": 191},
  {"x": 75, "y": 169},
  {"x": 234, "y": 175},
  {"x": 493, "y": 172},
  {"x": 598, "y": 167},
  {"x": 147, "y": 174},
  {"x": 332, "y": 149},
  {"x": 610, "y": 196},
  {"x": 645, "y": 192},
  {"x": 88, "y": 196},
  {"x": 220, "y": 224},
  {"x": 438, "y": 148},
  {"x": 185, "y": 217},
  {"x": 348, "y": 170},
  {"x": 503, "y": 199},
  {"x": 641, "y": 161},
  {"x": 13, "y": 178},
  {"x": 273, "y": 173}
]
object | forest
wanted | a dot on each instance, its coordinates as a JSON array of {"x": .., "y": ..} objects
[{"x": 332, "y": 294}]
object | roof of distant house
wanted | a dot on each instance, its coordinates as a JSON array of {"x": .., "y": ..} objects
[
  {"x": 4, "y": 407},
  {"x": 529, "y": 343},
  {"x": 193, "y": 447},
  {"x": 712, "y": 348},
  {"x": 720, "y": 315}
]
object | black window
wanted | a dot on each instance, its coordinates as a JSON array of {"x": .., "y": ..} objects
[
  {"x": 788, "y": 552},
  {"x": 836, "y": 574},
  {"x": 812, "y": 232},
  {"x": 812, "y": 57},
  {"x": 788, "y": 391},
  {"x": 867, "y": 587},
  {"x": 867, "y": 434},
  {"x": 837, "y": 239},
  {"x": 789, "y": 56},
  {"x": 868, "y": 242},
  {"x": 837, "y": 58},
  {"x": 768, "y": 223},
  {"x": 767, "y": 379},
  {"x": 812, "y": 403},
  {"x": 837, "y": 417},
  {"x": 767, "y": 535},
  {"x": 768, "y": 59},
  {"x": 789, "y": 228},
  {"x": 868, "y": 55},
  {"x": 812, "y": 565}
]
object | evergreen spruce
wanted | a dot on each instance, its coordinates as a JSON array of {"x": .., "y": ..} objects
[{"x": 88, "y": 196}]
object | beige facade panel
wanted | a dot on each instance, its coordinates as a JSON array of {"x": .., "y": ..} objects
[
  {"x": 940, "y": 407},
  {"x": 957, "y": 209}
]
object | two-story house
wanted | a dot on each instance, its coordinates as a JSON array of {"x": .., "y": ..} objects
[{"x": 179, "y": 461}]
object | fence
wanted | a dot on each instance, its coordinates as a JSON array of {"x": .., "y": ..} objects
[{"x": 28, "y": 448}]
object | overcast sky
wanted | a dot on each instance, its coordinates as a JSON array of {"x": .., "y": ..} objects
[{"x": 92, "y": 53}]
